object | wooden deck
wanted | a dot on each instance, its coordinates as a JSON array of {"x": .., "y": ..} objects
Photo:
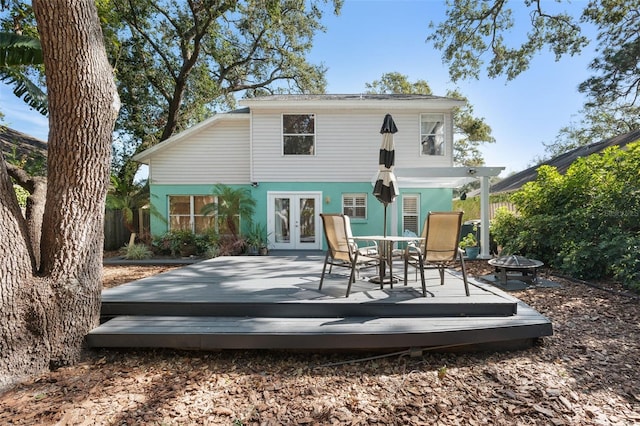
[{"x": 272, "y": 302}]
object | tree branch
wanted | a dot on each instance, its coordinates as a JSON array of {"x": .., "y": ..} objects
[{"x": 21, "y": 177}]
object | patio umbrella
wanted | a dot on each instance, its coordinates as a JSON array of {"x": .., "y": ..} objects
[{"x": 386, "y": 187}]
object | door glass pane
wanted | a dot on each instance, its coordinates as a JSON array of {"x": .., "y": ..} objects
[
  {"x": 307, "y": 220},
  {"x": 281, "y": 215}
]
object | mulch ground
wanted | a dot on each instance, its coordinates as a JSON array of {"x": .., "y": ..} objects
[{"x": 587, "y": 373}]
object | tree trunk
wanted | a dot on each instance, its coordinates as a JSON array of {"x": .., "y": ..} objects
[
  {"x": 37, "y": 187},
  {"x": 46, "y": 313}
]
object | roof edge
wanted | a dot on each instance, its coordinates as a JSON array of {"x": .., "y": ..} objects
[
  {"x": 239, "y": 114},
  {"x": 361, "y": 101}
]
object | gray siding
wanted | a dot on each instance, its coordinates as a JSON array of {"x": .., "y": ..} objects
[
  {"x": 217, "y": 154},
  {"x": 347, "y": 144}
]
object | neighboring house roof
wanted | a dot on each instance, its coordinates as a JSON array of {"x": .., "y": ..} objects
[
  {"x": 12, "y": 141},
  {"x": 562, "y": 162}
]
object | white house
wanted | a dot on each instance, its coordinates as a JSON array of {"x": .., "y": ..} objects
[{"x": 301, "y": 155}]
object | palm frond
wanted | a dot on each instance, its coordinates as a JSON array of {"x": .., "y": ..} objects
[
  {"x": 25, "y": 89},
  {"x": 16, "y": 50}
]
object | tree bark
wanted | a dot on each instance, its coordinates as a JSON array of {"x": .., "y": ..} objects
[
  {"x": 37, "y": 187},
  {"x": 16, "y": 269},
  {"x": 47, "y": 312}
]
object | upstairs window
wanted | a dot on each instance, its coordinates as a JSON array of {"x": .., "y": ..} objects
[
  {"x": 432, "y": 134},
  {"x": 298, "y": 134},
  {"x": 355, "y": 205}
]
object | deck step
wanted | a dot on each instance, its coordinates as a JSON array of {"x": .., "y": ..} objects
[
  {"x": 453, "y": 307},
  {"x": 215, "y": 333}
]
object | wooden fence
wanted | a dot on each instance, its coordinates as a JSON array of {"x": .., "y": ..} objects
[
  {"x": 493, "y": 208},
  {"x": 116, "y": 234}
]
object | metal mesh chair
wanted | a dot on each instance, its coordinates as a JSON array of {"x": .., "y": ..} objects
[
  {"x": 341, "y": 251},
  {"x": 438, "y": 248}
]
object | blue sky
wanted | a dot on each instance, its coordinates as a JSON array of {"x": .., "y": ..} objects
[{"x": 373, "y": 37}]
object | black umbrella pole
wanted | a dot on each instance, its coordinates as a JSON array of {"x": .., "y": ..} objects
[{"x": 384, "y": 227}]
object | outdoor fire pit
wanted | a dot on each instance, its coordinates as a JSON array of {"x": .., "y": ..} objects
[{"x": 516, "y": 267}]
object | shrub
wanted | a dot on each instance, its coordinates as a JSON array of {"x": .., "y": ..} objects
[
  {"x": 174, "y": 242},
  {"x": 504, "y": 228},
  {"x": 203, "y": 242},
  {"x": 626, "y": 267},
  {"x": 584, "y": 223},
  {"x": 136, "y": 252},
  {"x": 211, "y": 252},
  {"x": 163, "y": 244},
  {"x": 229, "y": 245}
]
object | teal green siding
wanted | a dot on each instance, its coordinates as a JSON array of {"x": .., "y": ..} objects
[{"x": 430, "y": 199}]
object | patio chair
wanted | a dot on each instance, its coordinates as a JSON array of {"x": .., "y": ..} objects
[
  {"x": 371, "y": 249},
  {"x": 341, "y": 251},
  {"x": 438, "y": 248}
]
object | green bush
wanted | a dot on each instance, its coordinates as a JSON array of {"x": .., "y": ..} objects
[
  {"x": 211, "y": 252},
  {"x": 626, "y": 267},
  {"x": 136, "y": 252},
  {"x": 161, "y": 244},
  {"x": 584, "y": 223},
  {"x": 504, "y": 229},
  {"x": 470, "y": 207},
  {"x": 22, "y": 195},
  {"x": 174, "y": 243}
]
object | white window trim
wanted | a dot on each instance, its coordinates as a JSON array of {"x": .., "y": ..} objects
[
  {"x": 356, "y": 195},
  {"x": 192, "y": 213},
  {"x": 314, "y": 134},
  {"x": 417, "y": 213},
  {"x": 445, "y": 129}
]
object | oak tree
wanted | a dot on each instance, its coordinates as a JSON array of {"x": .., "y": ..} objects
[
  {"x": 48, "y": 309},
  {"x": 178, "y": 62},
  {"x": 494, "y": 37}
]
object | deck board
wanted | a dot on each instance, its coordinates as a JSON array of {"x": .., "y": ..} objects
[
  {"x": 212, "y": 288},
  {"x": 274, "y": 302},
  {"x": 297, "y": 333}
]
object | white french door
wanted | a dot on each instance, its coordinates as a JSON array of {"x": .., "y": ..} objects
[{"x": 292, "y": 220}]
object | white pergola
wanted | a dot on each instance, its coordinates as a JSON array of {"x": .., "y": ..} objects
[{"x": 454, "y": 177}]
